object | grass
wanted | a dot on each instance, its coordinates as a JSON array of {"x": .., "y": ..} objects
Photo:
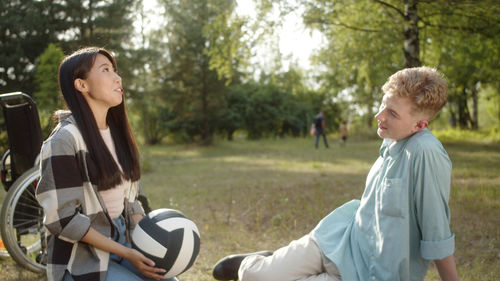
[{"x": 254, "y": 195}]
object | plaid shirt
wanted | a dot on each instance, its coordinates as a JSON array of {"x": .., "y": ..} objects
[{"x": 68, "y": 193}]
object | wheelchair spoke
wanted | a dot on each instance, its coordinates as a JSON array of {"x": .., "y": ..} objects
[
  {"x": 25, "y": 220},
  {"x": 31, "y": 230},
  {"x": 31, "y": 207},
  {"x": 30, "y": 197},
  {"x": 29, "y": 194}
]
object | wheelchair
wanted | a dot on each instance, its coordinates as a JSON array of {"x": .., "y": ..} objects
[{"x": 21, "y": 217}]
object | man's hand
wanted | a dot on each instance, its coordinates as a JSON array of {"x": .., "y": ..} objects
[{"x": 447, "y": 269}]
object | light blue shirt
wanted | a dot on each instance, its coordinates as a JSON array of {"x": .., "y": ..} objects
[{"x": 402, "y": 221}]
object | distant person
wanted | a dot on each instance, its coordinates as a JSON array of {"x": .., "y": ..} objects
[
  {"x": 343, "y": 132},
  {"x": 320, "y": 127},
  {"x": 89, "y": 181},
  {"x": 402, "y": 221}
]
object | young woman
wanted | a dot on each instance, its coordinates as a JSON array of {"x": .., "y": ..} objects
[{"x": 89, "y": 177}]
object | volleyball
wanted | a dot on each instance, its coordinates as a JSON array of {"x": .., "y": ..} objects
[{"x": 168, "y": 238}]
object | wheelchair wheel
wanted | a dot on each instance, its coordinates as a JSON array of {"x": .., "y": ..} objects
[{"x": 21, "y": 223}]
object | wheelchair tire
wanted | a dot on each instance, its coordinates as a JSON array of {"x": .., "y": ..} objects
[{"x": 21, "y": 223}]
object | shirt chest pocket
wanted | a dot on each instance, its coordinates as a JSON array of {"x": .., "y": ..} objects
[{"x": 392, "y": 198}]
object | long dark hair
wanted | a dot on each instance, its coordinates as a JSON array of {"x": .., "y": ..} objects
[{"x": 78, "y": 65}]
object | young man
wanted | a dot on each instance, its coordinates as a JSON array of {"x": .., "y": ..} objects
[
  {"x": 401, "y": 222},
  {"x": 320, "y": 128}
]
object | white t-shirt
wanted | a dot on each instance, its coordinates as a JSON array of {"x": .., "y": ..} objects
[{"x": 113, "y": 198}]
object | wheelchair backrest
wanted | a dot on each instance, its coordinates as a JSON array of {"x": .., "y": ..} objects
[{"x": 23, "y": 129}]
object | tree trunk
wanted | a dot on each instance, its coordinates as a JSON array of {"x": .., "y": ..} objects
[
  {"x": 230, "y": 133},
  {"x": 206, "y": 136},
  {"x": 453, "y": 119},
  {"x": 369, "y": 116},
  {"x": 475, "y": 101},
  {"x": 498, "y": 101},
  {"x": 205, "y": 126},
  {"x": 452, "y": 108},
  {"x": 369, "y": 108},
  {"x": 410, "y": 31},
  {"x": 90, "y": 21},
  {"x": 498, "y": 112},
  {"x": 463, "y": 110}
]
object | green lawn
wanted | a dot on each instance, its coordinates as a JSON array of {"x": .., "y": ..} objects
[{"x": 255, "y": 195}]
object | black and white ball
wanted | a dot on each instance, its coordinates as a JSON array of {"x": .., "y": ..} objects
[{"x": 168, "y": 238}]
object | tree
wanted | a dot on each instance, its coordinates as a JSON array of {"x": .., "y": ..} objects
[
  {"x": 368, "y": 34},
  {"x": 467, "y": 53},
  {"x": 408, "y": 17},
  {"x": 235, "y": 104},
  {"x": 194, "y": 90},
  {"x": 47, "y": 96},
  {"x": 227, "y": 48},
  {"x": 145, "y": 91},
  {"x": 102, "y": 23},
  {"x": 362, "y": 51},
  {"x": 144, "y": 64},
  {"x": 263, "y": 111},
  {"x": 26, "y": 28}
]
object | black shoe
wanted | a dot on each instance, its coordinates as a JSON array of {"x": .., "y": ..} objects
[{"x": 227, "y": 268}]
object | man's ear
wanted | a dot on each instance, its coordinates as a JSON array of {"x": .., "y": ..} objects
[
  {"x": 80, "y": 85},
  {"x": 422, "y": 124}
]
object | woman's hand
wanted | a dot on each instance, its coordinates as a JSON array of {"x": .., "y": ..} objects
[
  {"x": 144, "y": 265},
  {"x": 137, "y": 218},
  {"x": 138, "y": 260}
]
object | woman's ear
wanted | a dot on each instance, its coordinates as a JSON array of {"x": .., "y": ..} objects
[{"x": 80, "y": 85}]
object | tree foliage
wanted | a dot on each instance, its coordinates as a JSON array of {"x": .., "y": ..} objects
[
  {"x": 467, "y": 53},
  {"x": 192, "y": 87},
  {"x": 369, "y": 40},
  {"x": 47, "y": 96},
  {"x": 272, "y": 106},
  {"x": 26, "y": 27},
  {"x": 194, "y": 75}
]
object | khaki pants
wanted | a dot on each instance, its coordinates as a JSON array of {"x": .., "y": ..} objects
[{"x": 301, "y": 260}]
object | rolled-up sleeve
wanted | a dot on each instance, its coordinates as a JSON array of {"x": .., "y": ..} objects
[
  {"x": 136, "y": 208},
  {"x": 437, "y": 250},
  {"x": 60, "y": 190},
  {"x": 433, "y": 214}
]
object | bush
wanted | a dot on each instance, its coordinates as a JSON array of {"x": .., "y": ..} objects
[{"x": 479, "y": 136}]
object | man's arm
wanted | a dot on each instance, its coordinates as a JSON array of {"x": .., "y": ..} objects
[{"x": 447, "y": 269}]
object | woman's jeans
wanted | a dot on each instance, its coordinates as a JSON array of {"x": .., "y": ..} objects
[{"x": 118, "y": 268}]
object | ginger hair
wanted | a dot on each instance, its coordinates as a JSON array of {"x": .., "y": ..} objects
[{"x": 424, "y": 85}]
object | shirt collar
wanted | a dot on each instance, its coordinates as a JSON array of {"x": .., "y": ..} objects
[{"x": 392, "y": 148}]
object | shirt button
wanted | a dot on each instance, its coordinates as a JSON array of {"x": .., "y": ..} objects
[
  {"x": 373, "y": 257},
  {"x": 373, "y": 277},
  {"x": 371, "y": 237}
]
